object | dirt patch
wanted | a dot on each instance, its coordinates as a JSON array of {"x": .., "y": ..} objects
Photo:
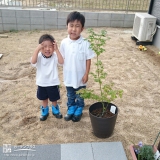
[{"x": 133, "y": 71}]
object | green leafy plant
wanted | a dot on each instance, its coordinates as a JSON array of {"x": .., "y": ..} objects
[
  {"x": 145, "y": 152},
  {"x": 107, "y": 93}
]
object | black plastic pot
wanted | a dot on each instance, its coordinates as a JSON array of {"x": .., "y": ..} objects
[{"x": 102, "y": 127}]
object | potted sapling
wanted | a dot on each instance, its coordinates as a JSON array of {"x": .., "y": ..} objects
[{"x": 103, "y": 113}]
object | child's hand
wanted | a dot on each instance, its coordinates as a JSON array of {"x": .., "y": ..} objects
[
  {"x": 40, "y": 46},
  {"x": 55, "y": 45},
  {"x": 35, "y": 54},
  {"x": 85, "y": 78}
]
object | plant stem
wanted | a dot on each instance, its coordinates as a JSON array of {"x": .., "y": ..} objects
[
  {"x": 138, "y": 157},
  {"x": 98, "y": 72},
  {"x": 156, "y": 139},
  {"x": 103, "y": 108},
  {"x": 100, "y": 83}
]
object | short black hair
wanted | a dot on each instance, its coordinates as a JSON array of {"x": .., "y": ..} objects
[
  {"x": 46, "y": 37},
  {"x": 76, "y": 16}
]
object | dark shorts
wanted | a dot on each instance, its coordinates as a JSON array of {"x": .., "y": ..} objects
[{"x": 51, "y": 92}]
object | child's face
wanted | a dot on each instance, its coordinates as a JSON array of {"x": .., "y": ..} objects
[
  {"x": 74, "y": 29},
  {"x": 47, "y": 48}
]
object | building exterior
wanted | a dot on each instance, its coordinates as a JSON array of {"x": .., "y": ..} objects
[{"x": 154, "y": 9}]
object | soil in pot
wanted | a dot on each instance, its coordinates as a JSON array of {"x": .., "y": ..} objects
[{"x": 98, "y": 113}]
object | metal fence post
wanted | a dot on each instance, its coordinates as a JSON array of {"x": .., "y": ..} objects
[{"x": 127, "y": 6}]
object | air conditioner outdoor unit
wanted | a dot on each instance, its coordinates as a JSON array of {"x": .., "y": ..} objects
[{"x": 144, "y": 27}]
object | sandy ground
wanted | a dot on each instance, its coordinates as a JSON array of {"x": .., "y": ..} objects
[{"x": 133, "y": 71}]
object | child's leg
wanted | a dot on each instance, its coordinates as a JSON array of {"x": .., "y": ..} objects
[
  {"x": 44, "y": 110},
  {"x": 42, "y": 95},
  {"x": 54, "y": 103},
  {"x": 80, "y": 105},
  {"x": 71, "y": 94},
  {"x": 56, "y": 110},
  {"x": 54, "y": 95},
  {"x": 45, "y": 103}
]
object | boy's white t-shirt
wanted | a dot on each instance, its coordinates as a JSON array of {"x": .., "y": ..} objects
[
  {"x": 75, "y": 54},
  {"x": 47, "y": 71}
]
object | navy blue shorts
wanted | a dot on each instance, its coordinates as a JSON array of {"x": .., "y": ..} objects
[{"x": 51, "y": 92}]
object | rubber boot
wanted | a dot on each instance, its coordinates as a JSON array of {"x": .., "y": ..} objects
[
  {"x": 44, "y": 113},
  {"x": 56, "y": 112},
  {"x": 70, "y": 113},
  {"x": 77, "y": 114}
]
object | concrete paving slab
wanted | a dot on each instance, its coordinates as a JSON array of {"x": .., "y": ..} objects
[
  {"x": 45, "y": 152},
  {"x": 18, "y": 157},
  {"x": 69, "y": 151},
  {"x": 38, "y": 152},
  {"x": 76, "y": 151},
  {"x": 108, "y": 151},
  {"x": 8, "y": 152}
]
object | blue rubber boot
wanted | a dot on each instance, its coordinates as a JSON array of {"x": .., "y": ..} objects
[
  {"x": 44, "y": 113},
  {"x": 56, "y": 112},
  {"x": 70, "y": 113},
  {"x": 77, "y": 114}
]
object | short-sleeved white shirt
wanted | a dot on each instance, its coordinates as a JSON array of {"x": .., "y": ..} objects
[
  {"x": 75, "y": 54},
  {"x": 47, "y": 71}
]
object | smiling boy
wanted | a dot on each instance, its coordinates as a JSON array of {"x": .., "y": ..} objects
[
  {"x": 45, "y": 58},
  {"x": 77, "y": 60}
]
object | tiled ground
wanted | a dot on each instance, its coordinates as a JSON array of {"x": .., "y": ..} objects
[{"x": 70, "y": 151}]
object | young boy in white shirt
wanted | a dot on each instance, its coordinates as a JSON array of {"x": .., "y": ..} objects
[
  {"x": 45, "y": 58},
  {"x": 77, "y": 60}
]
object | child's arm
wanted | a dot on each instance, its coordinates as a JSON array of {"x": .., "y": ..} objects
[
  {"x": 60, "y": 58},
  {"x": 85, "y": 77},
  {"x": 35, "y": 54}
]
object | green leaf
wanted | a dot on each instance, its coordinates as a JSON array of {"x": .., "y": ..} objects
[{"x": 105, "y": 93}]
